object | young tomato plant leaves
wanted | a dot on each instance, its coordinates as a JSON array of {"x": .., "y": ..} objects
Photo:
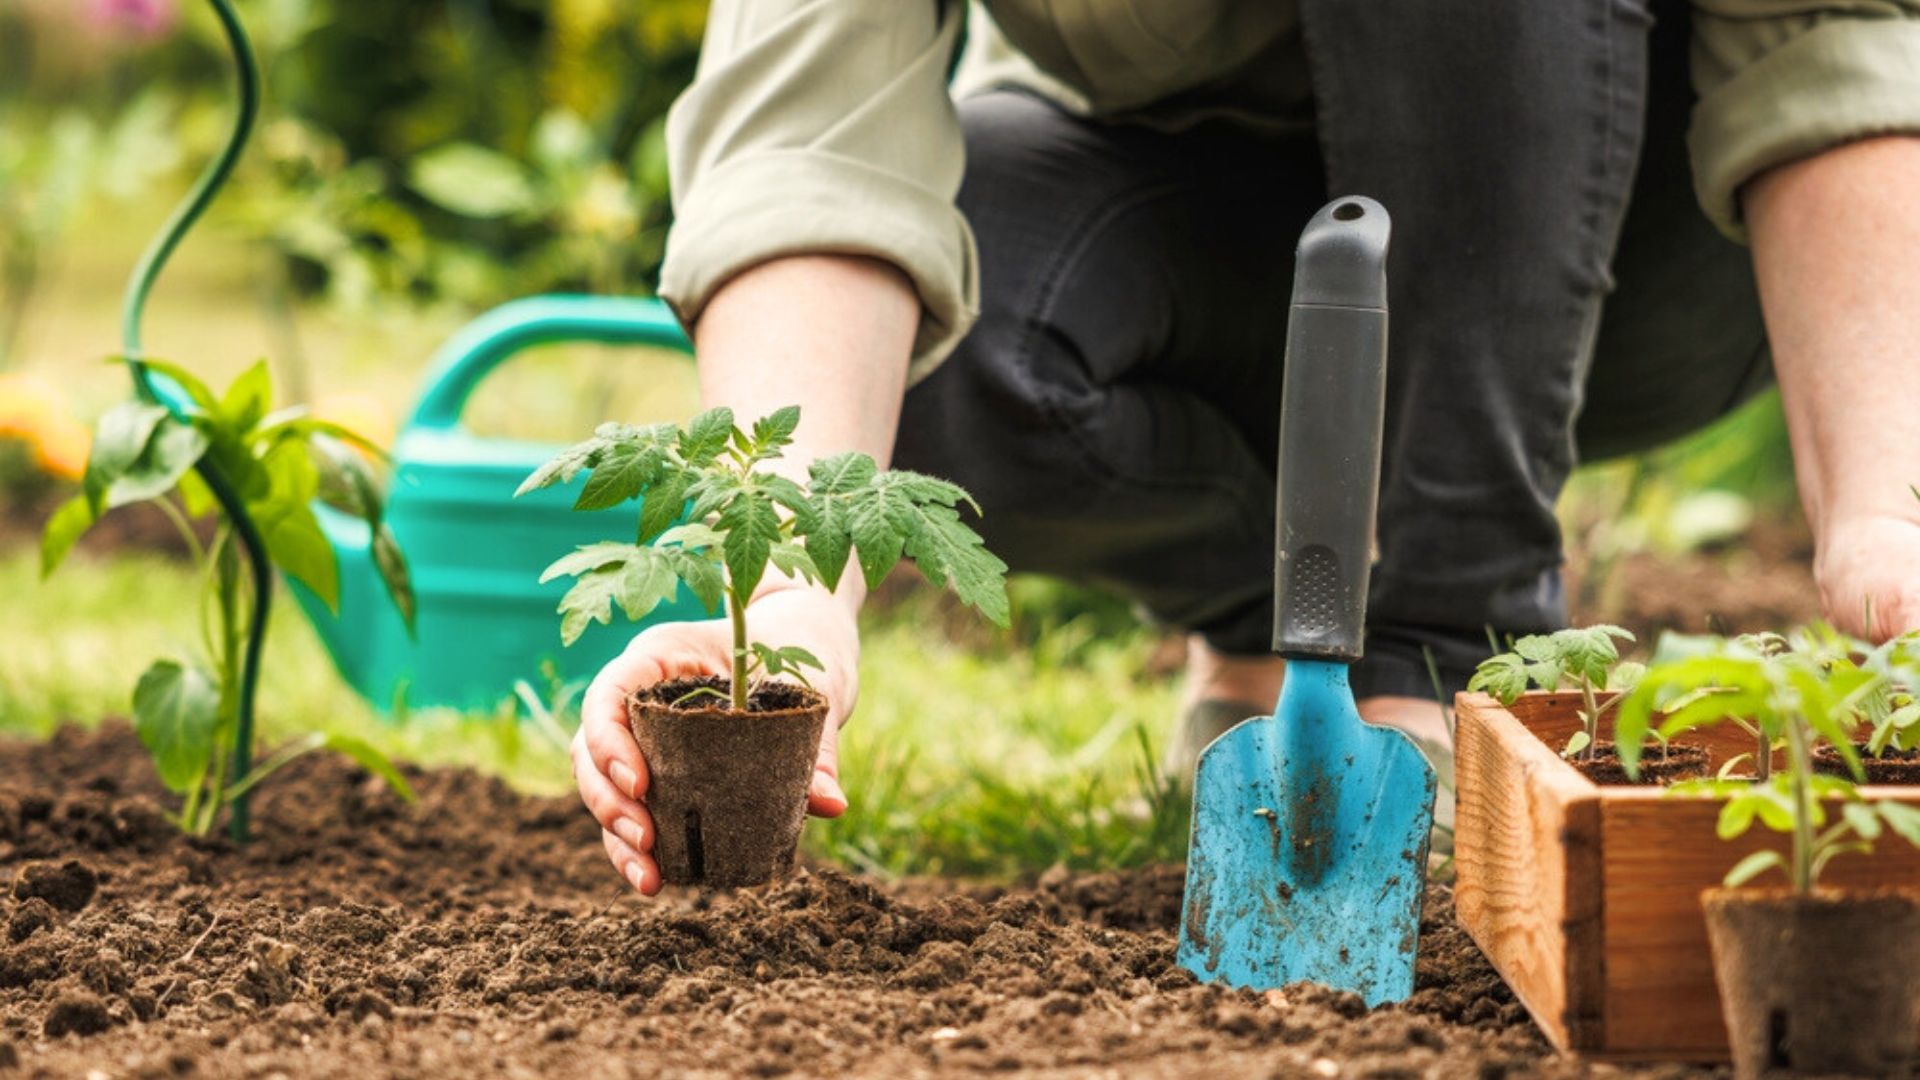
[{"x": 712, "y": 519}]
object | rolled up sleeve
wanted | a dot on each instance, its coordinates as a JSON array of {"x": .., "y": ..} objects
[
  {"x": 1781, "y": 80},
  {"x": 824, "y": 127}
]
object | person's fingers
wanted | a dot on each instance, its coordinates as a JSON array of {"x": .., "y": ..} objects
[
  {"x": 639, "y": 870},
  {"x": 824, "y": 796},
  {"x": 616, "y": 811}
]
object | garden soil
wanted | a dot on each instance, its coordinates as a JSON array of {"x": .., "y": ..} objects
[{"x": 480, "y": 934}]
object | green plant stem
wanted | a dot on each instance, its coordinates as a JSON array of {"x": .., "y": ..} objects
[
  {"x": 1801, "y": 766},
  {"x": 737, "y": 611},
  {"x": 1591, "y": 717},
  {"x": 1762, "y": 757}
]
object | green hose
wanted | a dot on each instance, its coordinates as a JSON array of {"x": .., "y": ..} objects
[{"x": 133, "y": 305}]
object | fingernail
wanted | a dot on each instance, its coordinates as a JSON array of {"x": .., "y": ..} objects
[
  {"x": 634, "y": 877},
  {"x": 623, "y": 778},
  {"x": 629, "y": 831}
]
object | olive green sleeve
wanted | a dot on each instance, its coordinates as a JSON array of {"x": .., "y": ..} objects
[
  {"x": 823, "y": 126},
  {"x": 1781, "y": 80}
]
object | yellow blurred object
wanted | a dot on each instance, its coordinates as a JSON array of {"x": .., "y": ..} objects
[
  {"x": 34, "y": 411},
  {"x": 362, "y": 414}
]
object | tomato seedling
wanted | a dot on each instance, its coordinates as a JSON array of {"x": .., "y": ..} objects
[
  {"x": 1793, "y": 695},
  {"x": 1585, "y": 658},
  {"x": 186, "y": 712},
  {"x": 713, "y": 519}
]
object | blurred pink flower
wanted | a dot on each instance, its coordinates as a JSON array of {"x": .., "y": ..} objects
[{"x": 143, "y": 18}]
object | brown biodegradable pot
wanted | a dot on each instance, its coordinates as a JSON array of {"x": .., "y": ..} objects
[
  {"x": 1656, "y": 767},
  {"x": 1825, "y": 983},
  {"x": 1892, "y": 767},
  {"x": 727, "y": 790}
]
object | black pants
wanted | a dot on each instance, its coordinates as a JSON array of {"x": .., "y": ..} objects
[{"x": 1115, "y": 410}]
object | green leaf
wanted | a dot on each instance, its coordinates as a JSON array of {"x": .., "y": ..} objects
[
  {"x": 663, "y": 505},
  {"x": 645, "y": 583},
  {"x": 589, "y": 557},
  {"x": 1904, "y": 820},
  {"x": 286, "y": 522},
  {"x": 949, "y": 553},
  {"x": 1580, "y": 741},
  {"x": 1537, "y": 647},
  {"x": 693, "y": 535},
  {"x": 828, "y": 542},
  {"x": 879, "y": 530},
  {"x": 792, "y": 560},
  {"x": 1625, "y": 676},
  {"x": 473, "y": 181},
  {"x": 369, "y": 757},
  {"x": 391, "y": 564},
  {"x": 1862, "y": 819},
  {"x": 705, "y": 436},
  {"x": 841, "y": 473},
  {"x": 119, "y": 438},
  {"x": 775, "y": 430},
  {"x": 564, "y": 466},
  {"x": 248, "y": 399},
  {"x": 1504, "y": 676},
  {"x": 176, "y": 710},
  {"x": 622, "y": 471},
  {"x": 702, "y": 577},
  {"x": 1752, "y": 866},
  {"x": 751, "y": 525},
  {"x": 64, "y": 529},
  {"x": 785, "y": 660},
  {"x": 1737, "y": 816},
  {"x": 172, "y": 453}
]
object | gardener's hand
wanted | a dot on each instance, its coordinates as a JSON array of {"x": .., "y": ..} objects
[
  {"x": 1868, "y": 569},
  {"x": 607, "y": 765}
]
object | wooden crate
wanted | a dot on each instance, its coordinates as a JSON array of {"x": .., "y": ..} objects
[{"x": 1586, "y": 898}]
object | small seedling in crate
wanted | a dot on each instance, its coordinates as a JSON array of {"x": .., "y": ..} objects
[
  {"x": 187, "y": 712},
  {"x": 1584, "y": 658}
]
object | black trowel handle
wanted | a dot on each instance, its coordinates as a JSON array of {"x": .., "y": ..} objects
[{"x": 1331, "y": 411}]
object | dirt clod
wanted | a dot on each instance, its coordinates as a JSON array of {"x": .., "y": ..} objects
[
  {"x": 76, "y": 1014},
  {"x": 68, "y": 886}
]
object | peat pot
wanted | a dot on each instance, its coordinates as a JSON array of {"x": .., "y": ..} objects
[
  {"x": 1819, "y": 984},
  {"x": 727, "y": 790},
  {"x": 1586, "y": 897}
]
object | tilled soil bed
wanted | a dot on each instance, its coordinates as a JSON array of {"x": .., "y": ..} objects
[{"x": 480, "y": 934}]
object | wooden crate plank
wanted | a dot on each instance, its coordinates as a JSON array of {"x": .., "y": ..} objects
[{"x": 1527, "y": 860}]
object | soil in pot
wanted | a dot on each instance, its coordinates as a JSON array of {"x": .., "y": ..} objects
[
  {"x": 1658, "y": 767},
  {"x": 1824, "y": 983},
  {"x": 1892, "y": 767},
  {"x": 727, "y": 790}
]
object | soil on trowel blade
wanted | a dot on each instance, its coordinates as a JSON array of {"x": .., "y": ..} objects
[{"x": 479, "y": 933}]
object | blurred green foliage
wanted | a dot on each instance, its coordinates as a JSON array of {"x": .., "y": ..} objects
[{"x": 452, "y": 152}]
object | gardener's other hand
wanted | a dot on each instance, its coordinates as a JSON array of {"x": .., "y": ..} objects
[
  {"x": 1868, "y": 570},
  {"x": 607, "y": 764}
]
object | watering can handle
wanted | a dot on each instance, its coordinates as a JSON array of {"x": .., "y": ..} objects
[
  {"x": 1332, "y": 409},
  {"x": 470, "y": 355}
]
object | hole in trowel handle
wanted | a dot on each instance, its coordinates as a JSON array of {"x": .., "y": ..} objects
[{"x": 1348, "y": 211}]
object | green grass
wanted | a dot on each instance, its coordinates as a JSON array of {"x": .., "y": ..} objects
[{"x": 996, "y": 757}]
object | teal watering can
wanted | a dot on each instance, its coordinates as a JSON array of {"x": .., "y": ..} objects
[{"x": 484, "y": 621}]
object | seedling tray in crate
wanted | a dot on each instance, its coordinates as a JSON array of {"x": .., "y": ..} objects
[{"x": 1587, "y": 898}]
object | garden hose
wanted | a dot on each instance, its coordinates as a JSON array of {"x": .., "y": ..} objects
[{"x": 133, "y": 305}]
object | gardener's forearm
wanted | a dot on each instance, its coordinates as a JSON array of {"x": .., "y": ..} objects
[
  {"x": 1836, "y": 244},
  {"x": 830, "y": 333}
]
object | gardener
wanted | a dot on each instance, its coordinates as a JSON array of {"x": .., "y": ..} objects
[{"x": 1067, "y": 292}]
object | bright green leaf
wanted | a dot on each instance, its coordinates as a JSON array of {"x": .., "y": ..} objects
[
  {"x": 1752, "y": 866},
  {"x": 473, "y": 181},
  {"x": 63, "y": 530},
  {"x": 248, "y": 399}
]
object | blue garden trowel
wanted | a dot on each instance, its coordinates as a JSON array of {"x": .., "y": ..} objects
[{"x": 1310, "y": 826}]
